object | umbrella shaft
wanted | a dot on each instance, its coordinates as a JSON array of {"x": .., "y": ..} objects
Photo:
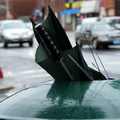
[{"x": 66, "y": 69}]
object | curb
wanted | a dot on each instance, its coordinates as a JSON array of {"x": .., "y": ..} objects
[
  {"x": 6, "y": 84},
  {"x": 6, "y": 88}
]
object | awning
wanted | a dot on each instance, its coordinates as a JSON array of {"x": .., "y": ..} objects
[
  {"x": 90, "y": 7},
  {"x": 70, "y": 11}
]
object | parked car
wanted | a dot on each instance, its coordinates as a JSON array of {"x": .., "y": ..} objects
[
  {"x": 15, "y": 31},
  {"x": 113, "y": 19},
  {"x": 90, "y": 20},
  {"x": 101, "y": 34},
  {"x": 87, "y": 20},
  {"x": 26, "y": 20}
]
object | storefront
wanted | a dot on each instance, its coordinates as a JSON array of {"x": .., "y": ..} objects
[
  {"x": 68, "y": 17},
  {"x": 77, "y": 11},
  {"x": 109, "y": 7},
  {"x": 90, "y": 8}
]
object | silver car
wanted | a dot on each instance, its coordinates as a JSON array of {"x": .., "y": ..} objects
[
  {"x": 101, "y": 35},
  {"x": 15, "y": 31}
]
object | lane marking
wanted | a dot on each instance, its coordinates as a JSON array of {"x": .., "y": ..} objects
[{"x": 114, "y": 63}]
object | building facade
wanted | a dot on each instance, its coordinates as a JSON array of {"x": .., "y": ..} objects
[
  {"x": 117, "y": 7},
  {"x": 13, "y": 9},
  {"x": 75, "y": 11},
  {"x": 56, "y": 5},
  {"x": 109, "y": 6},
  {"x": 69, "y": 12}
]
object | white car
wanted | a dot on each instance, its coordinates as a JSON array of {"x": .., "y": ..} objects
[{"x": 15, "y": 31}]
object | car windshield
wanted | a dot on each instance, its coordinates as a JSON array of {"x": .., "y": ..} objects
[
  {"x": 14, "y": 25},
  {"x": 115, "y": 21},
  {"x": 101, "y": 27}
]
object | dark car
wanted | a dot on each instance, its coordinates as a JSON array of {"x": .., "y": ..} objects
[
  {"x": 101, "y": 34},
  {"x": 15, "y": 31}
]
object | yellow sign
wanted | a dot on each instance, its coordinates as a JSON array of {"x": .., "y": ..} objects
[
  {"x": 77, "y": 5},
  {"x": 67, "y": 5},
  {"x": 78, "y": 14}
]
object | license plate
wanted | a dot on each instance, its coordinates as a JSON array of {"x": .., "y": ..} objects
[
  {"x": 116, "y": 42},
  {"x": 20, "y": 37}
]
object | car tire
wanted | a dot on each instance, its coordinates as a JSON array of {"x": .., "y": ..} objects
[
  {"x": 96, "y": 44},
  {"x": 5, "y": 44},
  {"x": 79, "y": 42},
  {"x": 21, "y": 44},
  {"x": 105, "y": 46},
  {"x": 31, "y": 43}
]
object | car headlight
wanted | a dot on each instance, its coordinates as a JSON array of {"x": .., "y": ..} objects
[
  {"x": 7, "y": 34},
  {"x": 30, "y": 33},
  {"x": 87, "y": 36},
  {"x": 102, "y": 37}
]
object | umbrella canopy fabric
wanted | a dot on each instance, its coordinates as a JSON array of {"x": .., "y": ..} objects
[
  {"x": 56, "y": 32},
  {"x": 74, "y": 62}
]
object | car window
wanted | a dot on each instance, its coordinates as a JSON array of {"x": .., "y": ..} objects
[
  {"x": 101, "y": 27},
  {"x": 88, "y": 27},
  {"x": 83, "y": 28},
  {"x": 13, "y": 25},
  {"x": 115, "y": 21}
]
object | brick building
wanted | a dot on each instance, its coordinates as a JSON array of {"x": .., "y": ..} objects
[
  {"x": 22, "y": 7},
  {"x": 12, "y": 9},
  {"x": 2, "y": 10},
  {"x": 109, "y": 7},
  {"x": 56, "y": 5},
  {"x": 117, "y": 7},
  {"x": 38, "y": 10}
]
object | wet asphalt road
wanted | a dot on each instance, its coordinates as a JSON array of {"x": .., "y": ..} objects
[{"x": 20, "y": 70}]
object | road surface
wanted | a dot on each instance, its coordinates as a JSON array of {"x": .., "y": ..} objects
[{"x": 20, "y": 70}]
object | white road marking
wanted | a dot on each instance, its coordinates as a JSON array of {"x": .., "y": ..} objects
[
  {"x": 36, "y": 73},
  {"x": 114, "y": 63},
  {"x": 31, "y": 71}
]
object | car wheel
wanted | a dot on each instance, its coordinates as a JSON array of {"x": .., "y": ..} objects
[
  {"x": 21, "y": 44},
  {"x": 5, "y": 44},
  {"x": 105, "y": 46},
  {"x": 79, "y": 42},
  {"x": 96, "y": 45},
  {"x": 31, "y": 43}
]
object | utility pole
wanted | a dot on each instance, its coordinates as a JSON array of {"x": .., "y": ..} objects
[{"x": 7, "y": 9}]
